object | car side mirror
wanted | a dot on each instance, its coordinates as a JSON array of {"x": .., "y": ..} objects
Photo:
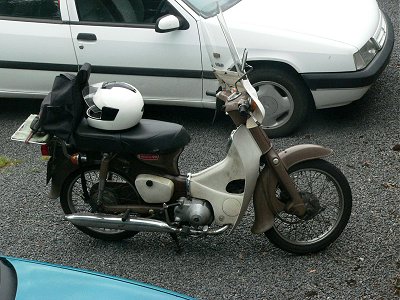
[{"x": 167, "y": 23}]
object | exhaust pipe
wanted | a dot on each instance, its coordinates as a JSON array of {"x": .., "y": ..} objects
[
  {"x": 113, "y": 222},
  {"x": 134, "y": 224}
]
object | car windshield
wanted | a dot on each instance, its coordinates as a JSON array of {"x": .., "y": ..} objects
[{"x": 207, "y": 8}]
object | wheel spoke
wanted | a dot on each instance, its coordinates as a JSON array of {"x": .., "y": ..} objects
[
  {"x": 319, "y": 186},
  {"x": 117, "y": 188}
]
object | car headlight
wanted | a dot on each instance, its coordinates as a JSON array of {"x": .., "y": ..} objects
[{"x": 366, "y": 54}]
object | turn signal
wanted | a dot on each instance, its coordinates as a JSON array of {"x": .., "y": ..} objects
[
  {"x": 78, "y": 158},
  {"x": 74, "y": 158}
]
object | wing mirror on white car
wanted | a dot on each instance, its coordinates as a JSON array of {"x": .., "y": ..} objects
[{"x": 168, "y": 23}]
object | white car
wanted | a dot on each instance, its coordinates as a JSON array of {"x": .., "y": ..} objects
[{"x": 305, "y": 54}]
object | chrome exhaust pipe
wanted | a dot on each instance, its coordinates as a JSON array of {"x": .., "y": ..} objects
[
  {"x": 134, "y": 224},
  {"x": 114, "y": 222}
]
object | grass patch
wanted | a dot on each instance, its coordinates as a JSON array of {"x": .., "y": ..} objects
[{"x": 6, "y": 162}]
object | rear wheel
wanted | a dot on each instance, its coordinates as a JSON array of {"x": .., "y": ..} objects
[
  {"x": 325, "y": 188},
  {"x": 118, "y": 190}
]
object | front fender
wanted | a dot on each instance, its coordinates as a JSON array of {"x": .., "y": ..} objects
[
  {"x": 299, "y": 153},
  {"x": 264, "y": 199}
]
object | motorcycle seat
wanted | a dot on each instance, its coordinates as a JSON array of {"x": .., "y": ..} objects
[{"x": 148, "y": 136}]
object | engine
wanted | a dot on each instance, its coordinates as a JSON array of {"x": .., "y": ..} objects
[{"x": 195, "y": 212}]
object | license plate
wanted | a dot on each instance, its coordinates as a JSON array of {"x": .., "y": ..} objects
[{"x": 24, "y": 133}]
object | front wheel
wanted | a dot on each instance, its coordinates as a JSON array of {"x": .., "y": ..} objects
[{"x": 326, "y": 189}]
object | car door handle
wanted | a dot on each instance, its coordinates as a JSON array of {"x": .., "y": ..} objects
[{"x": 90, "y": 37}]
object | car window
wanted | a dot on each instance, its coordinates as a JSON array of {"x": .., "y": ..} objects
[
  {"x": 36, "y": 9},
  {"x": 121, "y": 11}
]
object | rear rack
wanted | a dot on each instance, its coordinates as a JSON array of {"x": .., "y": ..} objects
[{"x": 25, "y": 134}]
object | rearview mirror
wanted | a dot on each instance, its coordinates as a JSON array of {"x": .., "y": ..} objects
[{"x": 167, "y": 23}]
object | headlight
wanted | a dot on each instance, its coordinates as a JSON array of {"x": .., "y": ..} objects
[{"x": 366, "y": 54}]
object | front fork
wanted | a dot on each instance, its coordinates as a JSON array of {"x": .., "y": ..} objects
[
  {"x": 266, "y": 203},
  {"x": 296, "y": 204}
]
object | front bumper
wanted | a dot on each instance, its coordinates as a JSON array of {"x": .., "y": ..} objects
[{"x": 355, "y": 79}]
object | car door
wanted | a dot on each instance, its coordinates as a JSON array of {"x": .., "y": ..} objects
[
  {"x": 118, "y": 38},
  {"x": 36, "y": 46}
]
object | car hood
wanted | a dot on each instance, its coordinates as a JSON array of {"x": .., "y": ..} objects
[
  {"x": 37, "y": 280},
  {"x": 351, "y": 22}
]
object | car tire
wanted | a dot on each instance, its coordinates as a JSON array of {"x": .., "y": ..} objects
[{"x": 286, "y": 99}]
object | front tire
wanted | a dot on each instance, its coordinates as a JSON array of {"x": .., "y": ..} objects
[
  {"x": 327, "y": 188},
  {"x": 72, "y": 199},
  {"x": 285, "y": 97}
]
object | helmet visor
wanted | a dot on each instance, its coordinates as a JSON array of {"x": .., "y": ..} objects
[{"x": 88, "y": 92}]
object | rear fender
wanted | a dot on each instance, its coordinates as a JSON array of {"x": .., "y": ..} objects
[
  {"x": 265, "y": 201},
  {"x": 57, "y": 171}
]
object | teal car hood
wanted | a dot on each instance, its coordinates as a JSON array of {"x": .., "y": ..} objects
[{"x": 38, "y": 280}]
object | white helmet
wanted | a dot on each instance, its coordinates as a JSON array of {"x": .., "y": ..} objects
[{"x": 113, "y": 106}]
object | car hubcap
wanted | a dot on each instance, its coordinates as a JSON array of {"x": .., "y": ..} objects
[{"x": 277, "y": 101}]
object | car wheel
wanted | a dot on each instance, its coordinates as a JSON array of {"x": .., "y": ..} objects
[{"x": 286, "y": 99}]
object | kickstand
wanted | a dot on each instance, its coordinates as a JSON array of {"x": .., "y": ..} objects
[{"x": 179, "y": 248}]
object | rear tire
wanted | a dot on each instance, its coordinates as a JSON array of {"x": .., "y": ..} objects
[
  {"x": 72, "y": 201},
  {"x": 317, "y": 180}
]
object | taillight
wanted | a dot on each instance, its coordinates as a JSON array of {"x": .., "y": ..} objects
[
  {"x": 45, "y": 150},
  {"x": 74, "y": 159}
]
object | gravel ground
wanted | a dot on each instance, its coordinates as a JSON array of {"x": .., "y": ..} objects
[{"x": 364, "y": 263}]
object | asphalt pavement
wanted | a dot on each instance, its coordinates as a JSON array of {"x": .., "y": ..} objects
[{"x": 364, "y": 263}]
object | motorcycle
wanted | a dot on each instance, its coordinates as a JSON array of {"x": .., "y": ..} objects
[{"x": 114, "y": 184}]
